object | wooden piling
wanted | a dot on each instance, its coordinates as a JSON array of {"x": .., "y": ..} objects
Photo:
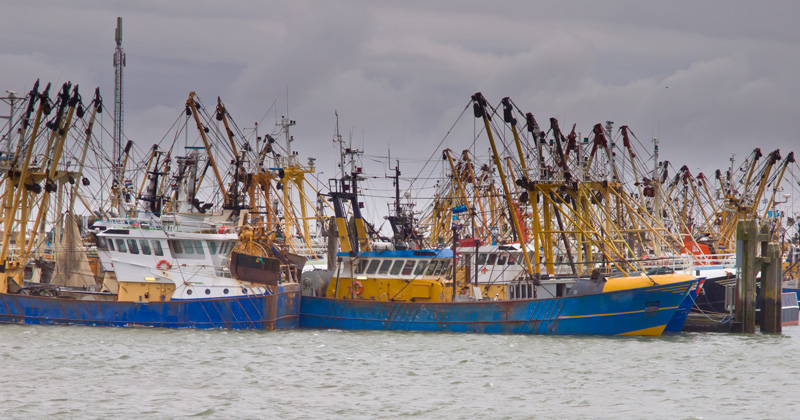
[
  {"x": 770, "y": 300},
  {"x": 745, "y": 312}
]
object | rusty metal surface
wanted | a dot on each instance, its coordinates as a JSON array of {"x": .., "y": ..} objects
[
  {"x": 277, "y": 311},
  {"x": 619, "y": 312}
]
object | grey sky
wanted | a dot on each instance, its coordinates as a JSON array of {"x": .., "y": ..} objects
[{"x": 709, "y": 78}]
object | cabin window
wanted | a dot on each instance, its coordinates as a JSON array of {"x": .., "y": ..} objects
[
  {"x": 397, "y": 267},
  {"x": 175, "y": 246},
  {"x": 431, "y": 268},
  {"x": 385, "y": 267},
  {"x": 157, "y": 247},
  {"x": 513, "y": 259},
  {"x": 501, "y": 260},
  {"x": 225, "y": 248},
  {"x": 186, "y": 249},
  {"x": 409, "y": 267},
  {"x": 144, "y": 246},
  {"x": 446, "y": 270},
  {"x": 441, "y": 268},
  {"x": 212, "y": 247},
  {"x": 101, "y": 242},
  {"x": 373, "y": 266},
  {"x": 133, "y": 247},
  {"x": 438, "y": 269},
  {"x": 198, "y": 247},
  {"x": 492, "y": 259},
  {"x": 482, "y": 258},
  {"x": 111, "y": 244},
  {"x": 121, "y": 246},
  {"x": 361, "y": 266},
  {"x": 420, "y": 268}
]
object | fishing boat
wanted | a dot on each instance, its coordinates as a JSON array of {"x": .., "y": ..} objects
[
  {"x": 420, "y": 302},
  {"x": 165, "y": 254},
  {"x": 169, "y": 271},
  {"x": 165, "y": 277},
  {"x": 407, "y": 286},
  {"x": 427, "y": 290}
]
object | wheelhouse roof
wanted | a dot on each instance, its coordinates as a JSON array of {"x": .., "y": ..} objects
[{"x": 415, "y": 253}]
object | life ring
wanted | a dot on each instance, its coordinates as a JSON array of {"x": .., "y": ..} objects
[
  {"x": 163, "y": 263},
  {"x": 357, "y": 287}
]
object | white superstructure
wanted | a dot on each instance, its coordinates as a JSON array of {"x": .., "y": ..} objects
[{"x": 194, "y": 258}]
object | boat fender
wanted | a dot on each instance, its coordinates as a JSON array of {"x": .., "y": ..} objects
[
  {"x": 223, "y": 229},
  {"x": 357, "y": 287},
  {"x": 163, "y": 265}
]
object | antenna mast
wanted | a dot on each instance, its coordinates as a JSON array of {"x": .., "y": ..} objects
[{"x": 119, "y": 65}]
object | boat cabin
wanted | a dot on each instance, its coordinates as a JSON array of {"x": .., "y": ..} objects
[{"x": 406, "y": 275}]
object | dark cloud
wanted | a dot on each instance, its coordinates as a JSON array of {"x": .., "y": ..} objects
[{"x": 709, "y": 78}]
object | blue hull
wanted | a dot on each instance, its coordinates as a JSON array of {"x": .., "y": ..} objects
[
  {"x": 267, "y": 312},
  {"x": 644, "y": 311},
  {"x": 675, "y": 325}
]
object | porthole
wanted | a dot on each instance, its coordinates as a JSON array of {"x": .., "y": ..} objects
[
  {"x": 244, "y": 291},
  {"x": 225, "y": 291},
  {"x": 189, "y": 292},
  {"x": 208, "y": 291}
]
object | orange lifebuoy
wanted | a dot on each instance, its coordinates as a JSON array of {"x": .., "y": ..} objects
[
  {"x": 163, "y": 263},
  {"x": 357, "y": 287}
]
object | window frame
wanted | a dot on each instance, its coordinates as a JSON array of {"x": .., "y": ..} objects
[
  {"x": 361, "y": 266},
  {"x": 408, "y": 268},
  {"x": 133, "y": 247},
  {"x": 385, "y": 266},
  {"x": 420, "y": 269},
  {"x": 432, "y": 266},
  {"x": 158, "y": 250},
  {"x": 145, "y": 247},
  {"x": 373, "y": 266},
  {"x": 397, "y": 267}
]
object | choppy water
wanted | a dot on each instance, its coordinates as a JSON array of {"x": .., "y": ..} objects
[{"x": 86, "y": 372}]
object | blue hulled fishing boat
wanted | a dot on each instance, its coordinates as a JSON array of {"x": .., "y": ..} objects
[
  {"x": 168, "y": 275},
  {"x": 162, "y": 267},
  {"x": 432, "y": 290}
]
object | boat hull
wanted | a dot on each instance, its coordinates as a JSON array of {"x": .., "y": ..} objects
[
  {"x": 265, "y": 312},
  {"x": 675, "y": 324},
  {"x": 644, "y": 311},
  {"x": 713, "y": 297}
]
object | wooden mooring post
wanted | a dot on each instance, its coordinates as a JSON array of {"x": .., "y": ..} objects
[
  {"x": 749, "y": 241},
  {"x": 771, "y": 301}
]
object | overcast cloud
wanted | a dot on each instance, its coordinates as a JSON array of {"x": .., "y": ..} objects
[{"x": 709, "y": 78}]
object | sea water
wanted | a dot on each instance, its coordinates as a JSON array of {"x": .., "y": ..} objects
[{"x": 58, "y": 372}]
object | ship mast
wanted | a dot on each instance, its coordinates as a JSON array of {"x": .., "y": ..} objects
[
  {"x": 11, "y": 99},
  {"x": 119, "y": 65}
]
